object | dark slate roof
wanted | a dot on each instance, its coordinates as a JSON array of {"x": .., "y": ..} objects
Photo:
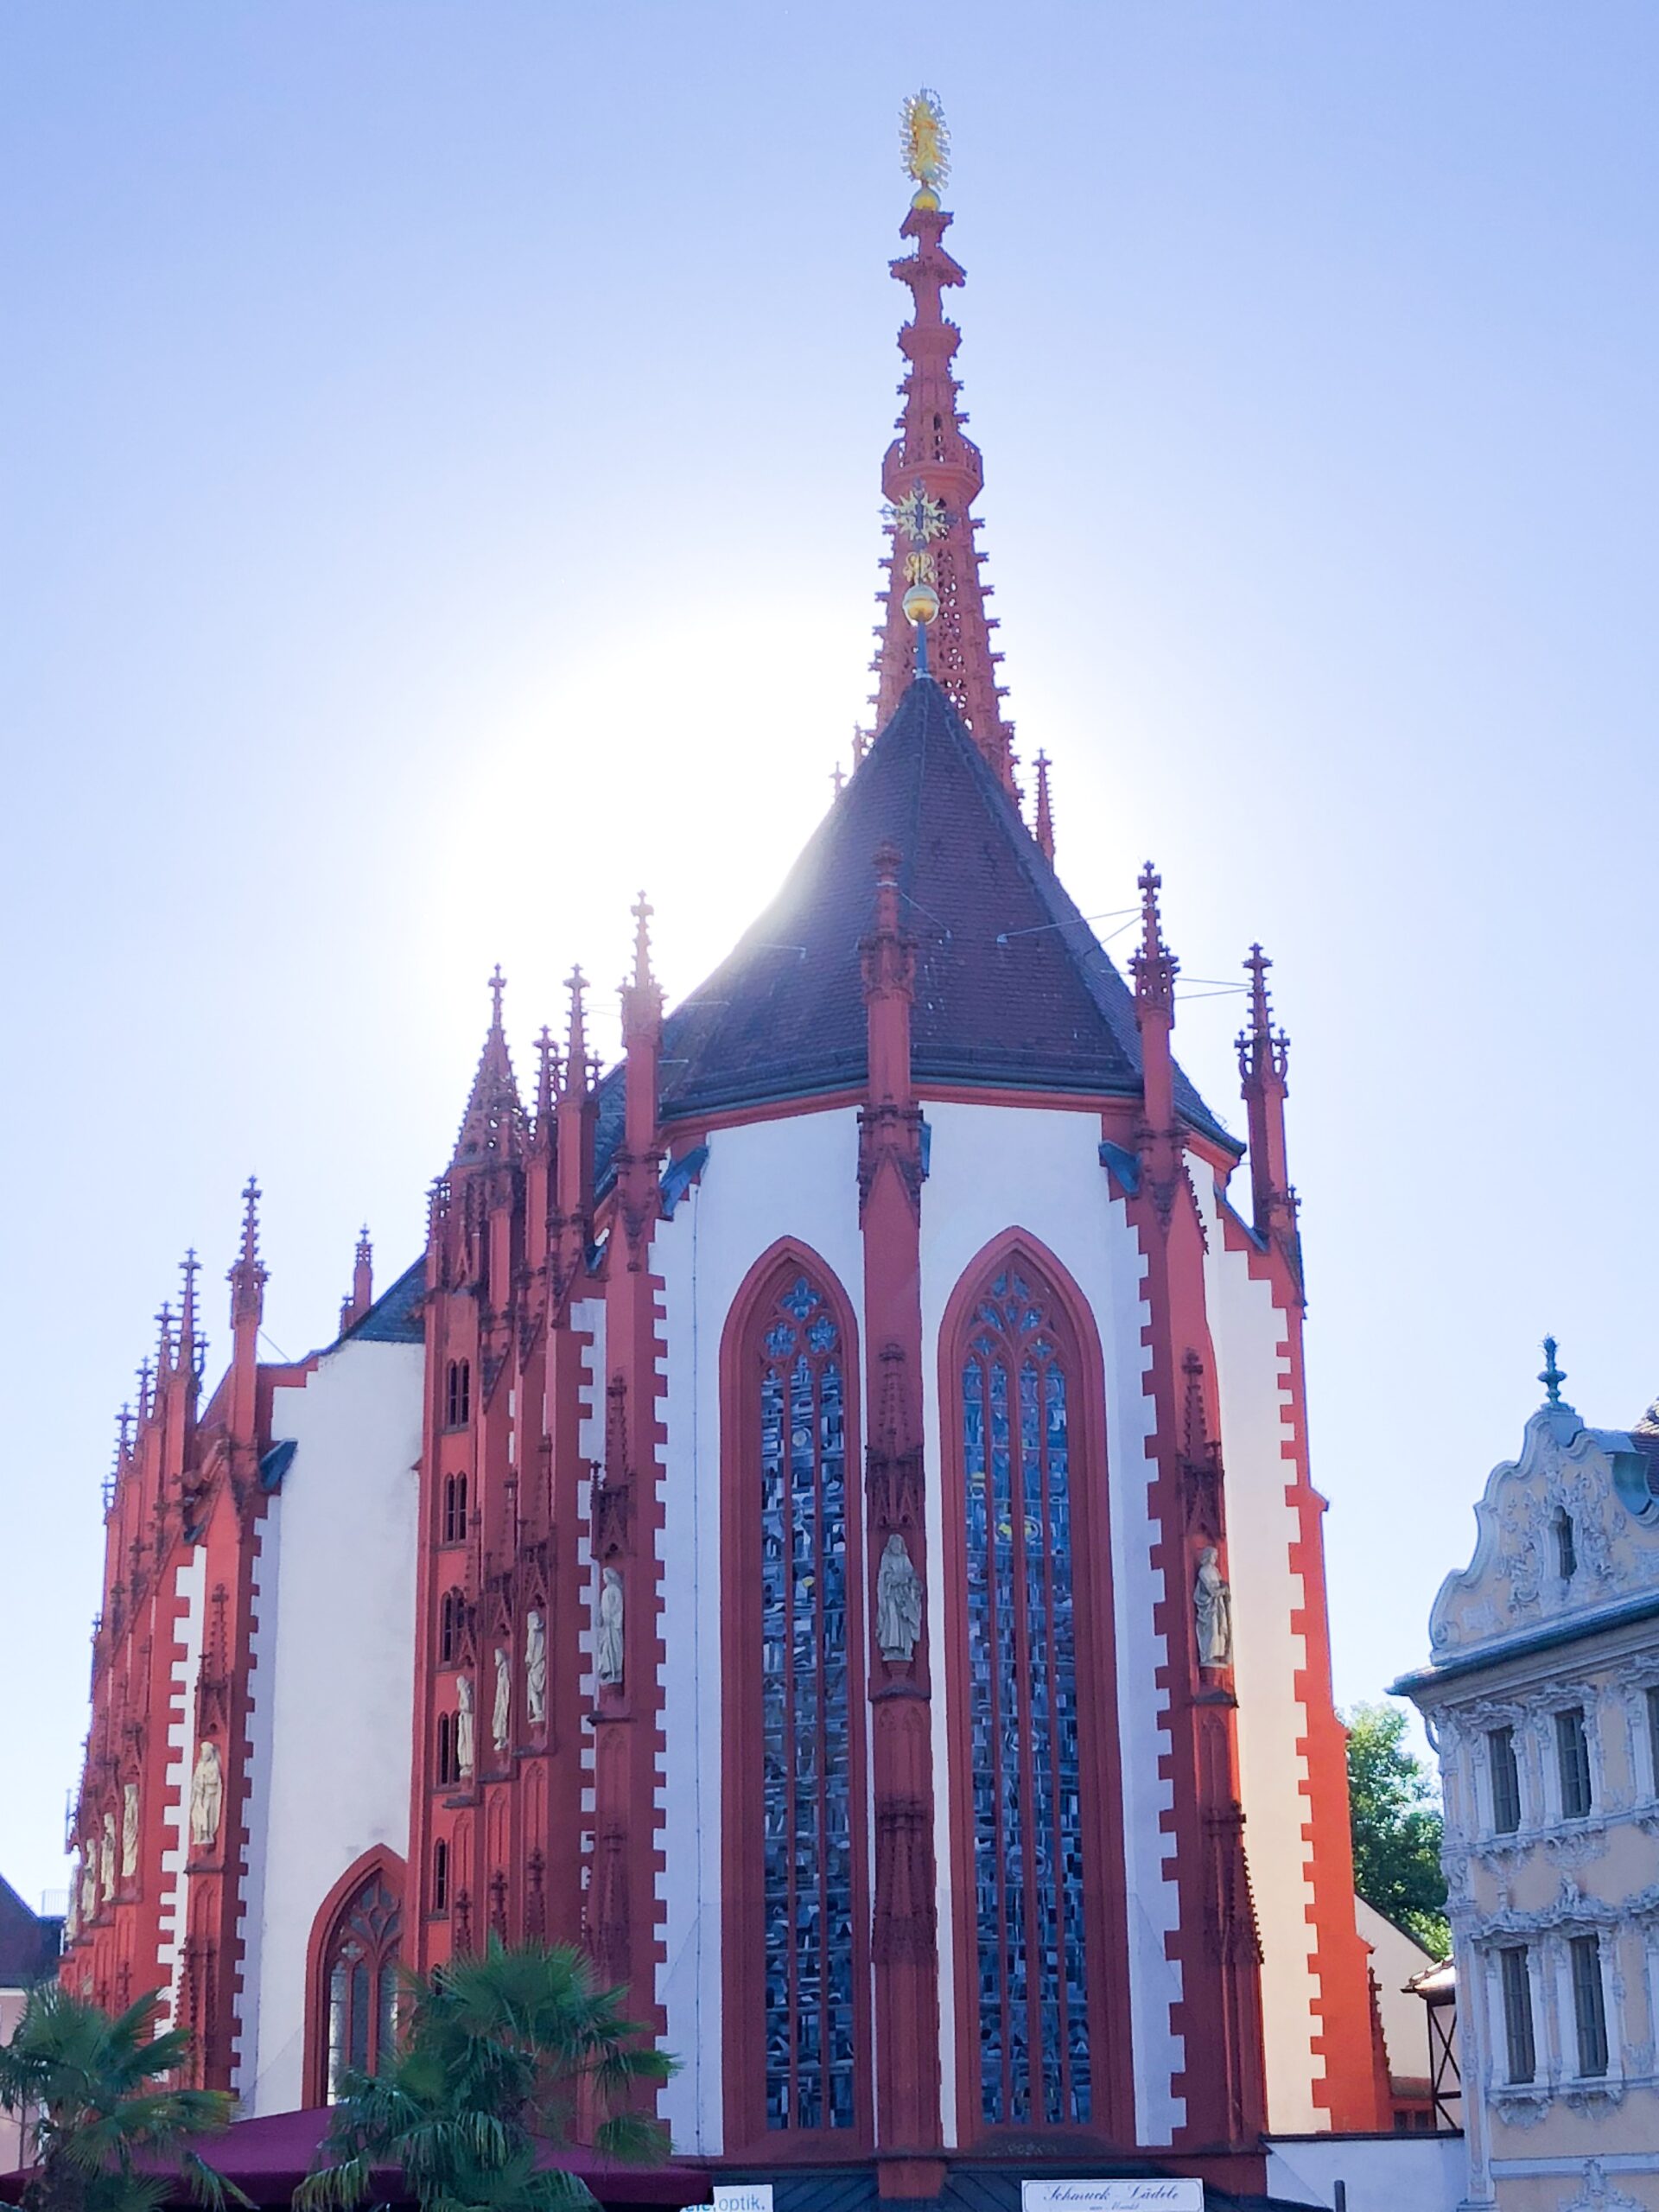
[
  {"x": 1013, "y": 989},
  {"x": 29, "y": 1942},
  {"x": 394, "y": 1318}
]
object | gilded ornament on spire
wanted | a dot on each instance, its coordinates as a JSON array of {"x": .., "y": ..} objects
[{"x": 924, "y": 146}]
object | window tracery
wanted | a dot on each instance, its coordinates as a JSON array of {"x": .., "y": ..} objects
[
  {"x": 360, "y": 1983},
  {"x": 1025, "y": 1780},
  {"x": 807, "y": 1798}
]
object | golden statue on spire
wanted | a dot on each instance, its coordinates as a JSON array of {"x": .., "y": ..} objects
[{"x": 924, "y": 146}]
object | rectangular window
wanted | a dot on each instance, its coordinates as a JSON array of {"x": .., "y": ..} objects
[
  {"x": 1653, "y": 1736},
  {"x": 1506, "y": 1781},
  {"x": 1589, "y": 2007},
  {"x": 1517, "y": 2012},
  {"x": 1573, "y": 1762}
]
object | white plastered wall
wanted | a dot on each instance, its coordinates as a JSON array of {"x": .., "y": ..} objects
[
  {"x": 189, "y": 1590},
  {"x": 332, "y": 1681},
  {"x": 992, "y": 1169},
  {"x": 1246, "y": 1329},
  {"x": 797, "y": 1178}
]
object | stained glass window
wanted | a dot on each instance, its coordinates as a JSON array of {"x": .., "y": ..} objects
[
  {"x": 805, "y": 1716},
  {"x": 361, "y": 1983},
  {"x": 1025, "y": 1781}
]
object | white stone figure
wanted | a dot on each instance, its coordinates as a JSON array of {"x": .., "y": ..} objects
[
  {"x": 1212, "y": 1610},
  {"x": 535, "y": 1669},
  {"x": 466, "y": 1754},
  {"x": 898, "y": 1603},
  {"x": 71, "y": 1918},
  {"x": 129, "y": 1830},
  {"x": 206, "y": 1796},
  {"x": 501, "y": 1712},
  {"x": 106, "y": 1857},
  {"x": 607, "y": 1643},
  {"x": 89, "y": 1886}
]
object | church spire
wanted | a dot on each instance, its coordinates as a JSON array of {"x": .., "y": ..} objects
[
  {"x": 931, "y": 474},
  {"x": 495, "y": 1121}
]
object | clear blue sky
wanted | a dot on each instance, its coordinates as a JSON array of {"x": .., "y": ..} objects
[{"x": 440, "y": 451}]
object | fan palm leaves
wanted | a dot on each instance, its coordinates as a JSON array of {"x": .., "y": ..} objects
[
  {"x": 92, "y": 2090},
  {"x": 500, "y": 2050}
]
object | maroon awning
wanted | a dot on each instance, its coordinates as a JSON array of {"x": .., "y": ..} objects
[{"x": 268, "y": 2159}]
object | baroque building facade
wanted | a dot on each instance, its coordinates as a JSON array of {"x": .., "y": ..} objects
[
  {"x": 1542, "y": 1697},
  {"x": 825, "y": 1523}
]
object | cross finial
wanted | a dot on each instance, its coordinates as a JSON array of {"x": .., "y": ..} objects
[
  {"x": 251, "y": 1195},
  {"x": 497, "y": 984},
  {"x": 838, "y": 777},
  {"x": 1552, "y": 1377},
  {"x": 861, "y": 744}
]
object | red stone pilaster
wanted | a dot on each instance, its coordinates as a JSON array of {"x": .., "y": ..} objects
[
  {"x": 625, "y": 1520},
  {"x": 1220, "y": 2014},
  {"x": 904, "y": 1923}
]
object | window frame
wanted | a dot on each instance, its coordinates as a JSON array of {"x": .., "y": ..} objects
[
  {"x": 1105, "y": 1912},
  {"x": 1519, "y": 2025},
  {"x": 1507, "y": 1761},
  {"x": 1592, "y": 2046},
  {"x": 1571, "y": 1724},
  {"x": 743, "y": 1783},
  {"x": 379, "y": 1866}
]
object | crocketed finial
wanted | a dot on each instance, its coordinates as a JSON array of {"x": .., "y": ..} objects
[
  {"x": 1154, "y": 967},
  {"x": 1262, "y": 1050},
  {"x": 1045, "y": 810},
  {"x": 497, "y": 984},
  {"x": 642, "y": 909},
  {"x": 546, "y": 1080},
  {"x": 247, "y": 1277},
  {"x": 1552, "y": 1377},
  {"x": 575, "y": 1050}
]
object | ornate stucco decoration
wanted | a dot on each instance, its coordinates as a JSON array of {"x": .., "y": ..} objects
[{"x": 1590, "y": 1482}]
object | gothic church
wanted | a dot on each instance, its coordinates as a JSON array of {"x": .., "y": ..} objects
[{"x": 825, "y": 1524}]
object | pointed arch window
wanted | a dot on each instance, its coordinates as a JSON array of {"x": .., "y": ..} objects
[
  {"x": 353, "y": 1976},
  {"x": 458, "y": 1394},
  {"x": 797, "y": 2057},
  {"x": 451, "y": 1616},
  {"x": 1024, "y": 1783},
  {"x": 454, "y": 1509}
]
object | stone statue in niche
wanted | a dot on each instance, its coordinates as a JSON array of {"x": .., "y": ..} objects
[
  {"x": 129, "y": 1830},
  {"x": 535, "y": 1669},
  {"x": 608, "y": 1641},
  {"x": 88, "y": 1887},
  {"x": 71, "y": 1918},
  {"x": 206, "y": 1796},
  {"x": 106, "y": 1857},
  {"x": 898, "y": 1604},
  {"x": 1212, "y": 1611},
  {"x": 466, "y": 1747},
  {"x": 501, "y": 1714}
]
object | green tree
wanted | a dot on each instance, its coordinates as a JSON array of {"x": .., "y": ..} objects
[
  {"x": 91, "y": 2090},
  {"x": 1396, "y": 1814},
  {"x": 499, "y": 2050}
]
